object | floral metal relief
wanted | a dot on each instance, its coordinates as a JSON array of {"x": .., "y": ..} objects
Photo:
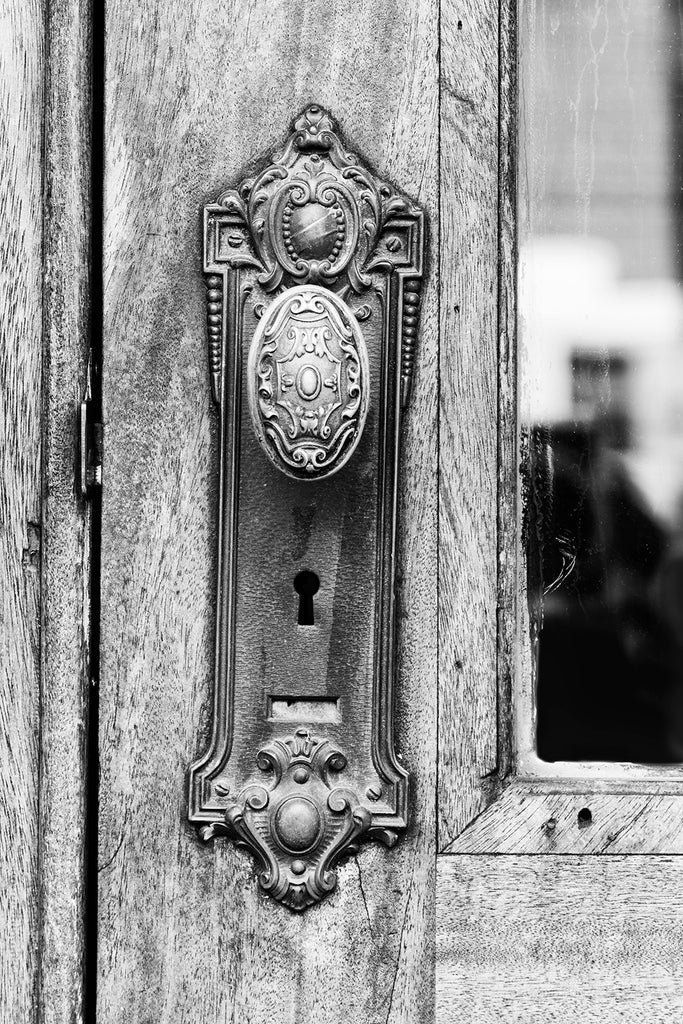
[
  {"x": 298, "y": 821},
  {"x": 308, "y": 382}
]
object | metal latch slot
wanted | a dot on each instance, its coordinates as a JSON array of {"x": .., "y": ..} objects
[{"x": 303, "y": 709}]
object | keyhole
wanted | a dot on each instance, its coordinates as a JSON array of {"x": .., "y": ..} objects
[{"x": 306, "y": 585}]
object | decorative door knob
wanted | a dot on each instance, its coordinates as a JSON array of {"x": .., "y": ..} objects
[{"x": 308, "y": 382}]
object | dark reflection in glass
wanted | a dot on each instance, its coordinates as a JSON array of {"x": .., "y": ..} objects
[{"x": 601, "y": 363}]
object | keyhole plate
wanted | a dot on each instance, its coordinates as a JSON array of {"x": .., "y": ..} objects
[{"x": 314, "y": 236}]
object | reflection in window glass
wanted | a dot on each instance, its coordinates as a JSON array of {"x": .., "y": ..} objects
[{"x": 601, "y": 363}]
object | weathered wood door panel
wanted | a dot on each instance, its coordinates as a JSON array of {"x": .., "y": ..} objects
[
  {"x": 21, "y": 303},
  {"x": 558, "y": 887},
  {"x": 44, "y": 549},
  {"x": 519, "y": 892},
  {"x": 560, "y": 939},
  {"x": 196, "y": 95}
]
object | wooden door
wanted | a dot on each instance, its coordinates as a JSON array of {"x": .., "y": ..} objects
[
  {"x": 196, "y": 96},
  {"x": 523, "y": 889},
  {"x": 558, "y": 886}
]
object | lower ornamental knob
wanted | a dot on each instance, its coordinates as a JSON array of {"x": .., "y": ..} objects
[{"x": 298, "y": 824}]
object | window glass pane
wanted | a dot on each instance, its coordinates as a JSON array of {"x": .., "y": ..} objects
[{"x": 601, "y": 364}]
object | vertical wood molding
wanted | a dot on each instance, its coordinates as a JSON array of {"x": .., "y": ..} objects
[
  {"x": 196, "y": 94},
  {"x": 508, "y": 441},
  {"x": 21, "y": 102},
  {"x": 468, "y": 448},
  {"x": 65, "y": 554}
]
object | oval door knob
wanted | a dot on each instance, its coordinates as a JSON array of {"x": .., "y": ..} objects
[{"x": 308, "y": 382}]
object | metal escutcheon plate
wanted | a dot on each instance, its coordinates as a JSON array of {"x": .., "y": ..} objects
[{"x": 308, "y": 382}]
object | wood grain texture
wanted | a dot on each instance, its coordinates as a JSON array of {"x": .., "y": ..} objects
[
  {"x": 21, "y": 106},
  {"x": 538, "y": 818},
  {"x": 559, "y": 940},
  {"x": 65, "y": 555},
  {"x": 197, "y": 92},
  {"x": 468, "y": 413}
]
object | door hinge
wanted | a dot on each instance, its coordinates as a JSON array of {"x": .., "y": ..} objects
[{"x": 90, "y": 445}]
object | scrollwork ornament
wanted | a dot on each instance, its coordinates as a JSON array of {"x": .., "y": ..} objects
[
  {"x": 315, "y": 214},
  {"x": 300, "y": 824}
]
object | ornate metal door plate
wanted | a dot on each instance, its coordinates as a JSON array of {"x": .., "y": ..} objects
[{"x": 313, "y": 270}]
